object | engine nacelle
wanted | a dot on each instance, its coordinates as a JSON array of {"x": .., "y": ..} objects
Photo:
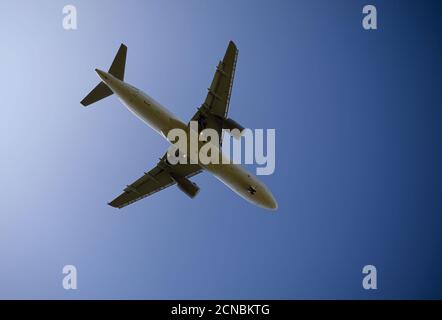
[
  {"x": 185, "y": 185},
  {"x": 231, "y": 124}
]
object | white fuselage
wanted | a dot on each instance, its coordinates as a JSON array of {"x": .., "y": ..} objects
[{"x": 161, "y": 120}]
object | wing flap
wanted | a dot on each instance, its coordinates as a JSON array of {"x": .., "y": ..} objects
[
  {"x": 218, "y": 97},
  {"x": 153, "y": 181},
  {"x": 216, "y": 106}
]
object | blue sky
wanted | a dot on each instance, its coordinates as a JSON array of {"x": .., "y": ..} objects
[{"x": 358, "y": 177}]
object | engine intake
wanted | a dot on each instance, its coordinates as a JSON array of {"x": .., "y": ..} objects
[
  {"x": 231, "y": 124},
  {"x": 185, "y": 185}
]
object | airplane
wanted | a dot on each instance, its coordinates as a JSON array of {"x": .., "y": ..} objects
[{"x": 212, "y": 114}]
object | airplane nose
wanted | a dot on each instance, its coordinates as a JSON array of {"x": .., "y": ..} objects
[
  {"x": 268, "y": 201},
  {"x": 271, "y": 203}
]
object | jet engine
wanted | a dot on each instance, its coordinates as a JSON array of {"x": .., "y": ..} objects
[
  {"x": 185, "y": 185},
  {"x": 231, "y": 124}
]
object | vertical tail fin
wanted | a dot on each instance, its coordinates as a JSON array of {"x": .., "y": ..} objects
[
  {"x": 116, "y": 69},
  {"x": 119, "y": 63}
]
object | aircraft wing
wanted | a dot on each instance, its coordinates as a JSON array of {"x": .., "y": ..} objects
[
  {"x": 218, "y": 96},
  {"x": 153, "y": 181}
]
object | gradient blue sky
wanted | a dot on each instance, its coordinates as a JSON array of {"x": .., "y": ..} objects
[{"x": 358, "y": 176}]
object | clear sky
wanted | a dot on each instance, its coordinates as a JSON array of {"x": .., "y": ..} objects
[{"x": 357, "y": 116}]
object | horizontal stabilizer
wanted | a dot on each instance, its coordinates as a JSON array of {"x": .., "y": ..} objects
[
  {"x": 119, "y": 63},
  {"x": 101, "y": 91}
]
